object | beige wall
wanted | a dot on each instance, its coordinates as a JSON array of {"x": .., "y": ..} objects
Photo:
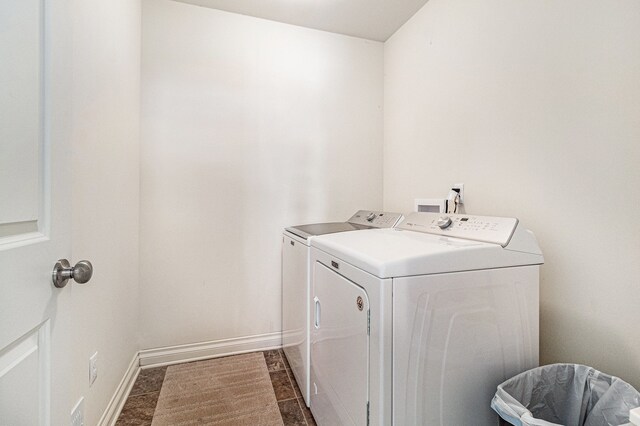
[
  {"x": 535, "y": 106},
  {"x": 248, "y": 126},
  {"x": 101, "y": 315}
]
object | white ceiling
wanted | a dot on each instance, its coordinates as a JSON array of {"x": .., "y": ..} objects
[{"x": 370, "y": 19}]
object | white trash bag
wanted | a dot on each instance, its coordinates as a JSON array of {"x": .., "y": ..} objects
[{"x": 567, "y": 395}]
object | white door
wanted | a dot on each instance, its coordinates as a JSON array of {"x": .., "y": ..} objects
[{"x": 34, "y": 203}]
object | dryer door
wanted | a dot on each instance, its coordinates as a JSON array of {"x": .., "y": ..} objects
[{"x": 339, "y": 350}]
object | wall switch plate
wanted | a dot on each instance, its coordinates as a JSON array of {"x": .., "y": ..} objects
[
  {"x": 77, "y": 414},
  {"x": 93, "y": 368}
]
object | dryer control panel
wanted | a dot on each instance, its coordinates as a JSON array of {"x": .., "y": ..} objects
[
  {"x": 375, "y": 219},
  {"x": 489, "y": 229}
]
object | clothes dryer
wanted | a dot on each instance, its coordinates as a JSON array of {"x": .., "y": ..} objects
[
  {"x": 296, "y": 300},
  {"x": 418, "y": 325}
]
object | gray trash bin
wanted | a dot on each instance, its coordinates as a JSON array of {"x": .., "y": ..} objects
[{"x": 565, "y": 394}]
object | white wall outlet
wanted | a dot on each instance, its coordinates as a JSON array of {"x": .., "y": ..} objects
[
  {"x": 460, "y": 188},
  {"x": 93, "y": 368},
  {"x": 77, "y": 414}
]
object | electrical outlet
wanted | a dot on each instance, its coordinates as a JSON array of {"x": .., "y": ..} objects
[
  {"x": 77, "y": 414},
  {"x": 93, "y": 368},
  {"x": 460, "y": 188}
]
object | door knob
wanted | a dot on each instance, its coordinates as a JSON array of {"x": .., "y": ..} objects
[{"x": 62, "y": 271}]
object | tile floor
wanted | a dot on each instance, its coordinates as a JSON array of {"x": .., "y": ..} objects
[{"x": 141, "y": 403}]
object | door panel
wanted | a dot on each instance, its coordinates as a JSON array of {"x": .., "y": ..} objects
[
  {"x": 339, "y": 350},
  {"x": 24, "y": 380},
  {"x": 20, "y": 115}
]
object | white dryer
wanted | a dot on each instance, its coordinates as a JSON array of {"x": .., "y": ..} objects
[
  {"x": 418, "y": 325},
  {"x": 296, "y": 287}
]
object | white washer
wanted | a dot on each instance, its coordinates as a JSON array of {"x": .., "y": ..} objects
[
  {"x": 296, "y": 286},
  {"x": 418, "y": 328}
]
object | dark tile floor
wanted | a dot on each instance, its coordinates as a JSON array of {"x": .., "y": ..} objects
[
  {"x": 290, "y": 402},
  {"x": 141, "y": 403}
]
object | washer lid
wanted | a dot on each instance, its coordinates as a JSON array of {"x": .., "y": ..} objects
[
  {"x": 362, "y": 219},
  {"x": 388, "y": 253},
  {"x": 306, "y": 231}
]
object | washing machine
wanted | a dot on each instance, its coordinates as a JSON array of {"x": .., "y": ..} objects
[
  {"x": 418, "y": 325},
  {"x": 296, "y": 301}
]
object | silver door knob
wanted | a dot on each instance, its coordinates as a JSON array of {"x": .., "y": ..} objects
[{"x": 63, "y": 271}]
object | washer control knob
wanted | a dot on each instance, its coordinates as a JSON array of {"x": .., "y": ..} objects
[
  {"x": 371, "y": 216},
  {"x": 444, "y": 222}
]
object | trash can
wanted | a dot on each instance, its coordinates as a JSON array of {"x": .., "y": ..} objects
[{"x": 565, "y": 394}]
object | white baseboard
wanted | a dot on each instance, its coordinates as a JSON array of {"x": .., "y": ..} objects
[
  {"x": 111, "y": 413},
  {"x": 204, "y": 350}
]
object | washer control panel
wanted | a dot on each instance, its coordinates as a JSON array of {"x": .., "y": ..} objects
[
  {"x": 489, "y": 229},
  {"x": 376, "y": 219}
]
